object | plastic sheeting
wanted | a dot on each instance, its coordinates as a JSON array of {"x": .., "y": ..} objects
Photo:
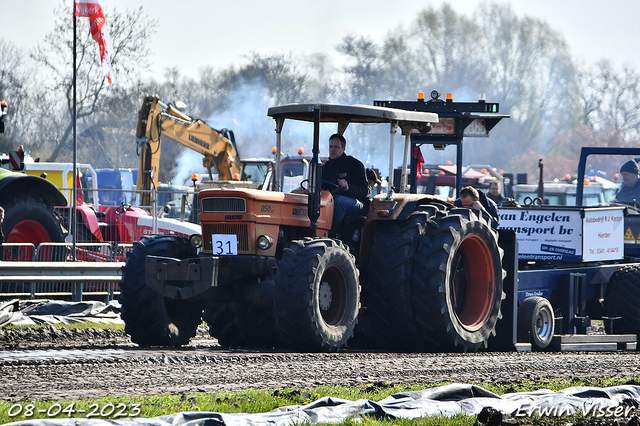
[
  {"x": 54, "y": 312},
  {"x": 616, "y": 401}
]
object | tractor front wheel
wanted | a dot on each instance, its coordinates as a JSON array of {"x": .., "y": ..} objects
[{"x": 150, "y": 318}]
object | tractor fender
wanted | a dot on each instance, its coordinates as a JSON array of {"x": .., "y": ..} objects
[
  {"x": 17, "y": 183},
  {"x": 90, "y": 220},
  {"x": 404, "y": 204}
]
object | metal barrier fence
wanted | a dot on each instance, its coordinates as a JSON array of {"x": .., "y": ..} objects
[
  {"x": 169, "y": 203},
  {"x": 48, "y": 270},
  {"x": 61, "y": 252},
  {"x": 19, "y": 251},
  {"x": 57, "y": 278}
]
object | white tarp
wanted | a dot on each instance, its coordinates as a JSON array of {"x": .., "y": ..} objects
[
  {"x": 606, "y": 403},
  {"x": 21, "y": 312}
]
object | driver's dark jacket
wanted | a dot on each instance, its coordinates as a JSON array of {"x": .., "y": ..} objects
[
  {"x": 352, "y": 170},
  {"x": 629, "y": 194}
]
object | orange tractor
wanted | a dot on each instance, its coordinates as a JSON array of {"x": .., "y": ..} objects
[{"x": 415, "y": 272}]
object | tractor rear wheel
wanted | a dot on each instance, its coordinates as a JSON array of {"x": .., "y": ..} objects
[
  {"x": 240, "y": 324},
  {"x": 622, "y": 299},
  {"x": 317, "y": 295},
  {"x": 150, "y": 318},
  {"x": 388, "y": 292},
  {"x": 458, "y": 281}
]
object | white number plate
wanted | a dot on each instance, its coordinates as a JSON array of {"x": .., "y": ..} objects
[{"x": 224, "y": 244}]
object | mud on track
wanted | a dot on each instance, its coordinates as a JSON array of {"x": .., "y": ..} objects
[{"x": 78, "y": 364}]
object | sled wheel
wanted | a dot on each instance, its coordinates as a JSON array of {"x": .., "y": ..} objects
[{"x": 536, "y": 322}]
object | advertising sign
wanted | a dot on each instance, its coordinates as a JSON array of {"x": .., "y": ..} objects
[
  {"x": 567, "y": 235},
  {"x": 545, "y": 234},
  {"x": 603, "y": 235}
]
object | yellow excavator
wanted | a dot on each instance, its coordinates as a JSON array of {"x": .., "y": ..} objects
[{"x": 157, "y": 120}]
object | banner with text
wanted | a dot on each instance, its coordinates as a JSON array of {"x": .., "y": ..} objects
[
  {"x": 603, "y": 235},
  {"x": 547, "y": 234}
]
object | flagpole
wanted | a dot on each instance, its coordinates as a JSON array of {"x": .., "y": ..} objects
[{"x": 75, "y": 188}]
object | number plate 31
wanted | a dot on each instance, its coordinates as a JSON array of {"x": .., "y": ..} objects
[{"x": 224, "y": 245}]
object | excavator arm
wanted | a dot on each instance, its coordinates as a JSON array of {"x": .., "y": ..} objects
[{"x": 157, "y": 120}]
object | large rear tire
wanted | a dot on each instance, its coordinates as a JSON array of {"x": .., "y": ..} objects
[
  {"x": 240, "y": 324},
  {"x": 317, "y": 295},
  {"x": 388, "y": 291},
  {"x": 622, "y": 299},
  {"x": 28, "y": 219},
  {"x": 458, "y": 281},
  {"x": 150, "y": 318}
]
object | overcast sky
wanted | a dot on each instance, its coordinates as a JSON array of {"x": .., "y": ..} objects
[{"x": 192, "y": 34}]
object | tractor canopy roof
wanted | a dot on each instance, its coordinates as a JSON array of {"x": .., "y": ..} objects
[{"x": 345, "y": 114}]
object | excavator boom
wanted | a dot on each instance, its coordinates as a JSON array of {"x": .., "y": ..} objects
[{"x": 157, "y": 120}]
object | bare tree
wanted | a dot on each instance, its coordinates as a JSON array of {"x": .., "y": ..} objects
[
  {"x": 610, "y": 99},
  {"x": 129, "y": 31},
  {"x": 519, "y": 62},
  {"x": 17, "y": 88},
  {"x": 530, "y": 70},
  {"x": 364, "y": 69},
  {"x": 447, "y": 48}
]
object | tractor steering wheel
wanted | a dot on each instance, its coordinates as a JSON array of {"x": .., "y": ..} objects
[
  {"x": 123, "y": 208},
  {"x": 332, "y": 186},
  {"x": 325, "y": 183}
]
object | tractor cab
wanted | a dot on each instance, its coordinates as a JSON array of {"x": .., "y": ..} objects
[{"x": 343, "y": 116}]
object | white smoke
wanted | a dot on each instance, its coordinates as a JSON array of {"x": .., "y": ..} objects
[
  {"x": 255, "y": 136},
  {"x": 247, "y": 118}
]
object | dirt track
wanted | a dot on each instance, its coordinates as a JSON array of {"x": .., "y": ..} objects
[{"x": 75, "y": 365}]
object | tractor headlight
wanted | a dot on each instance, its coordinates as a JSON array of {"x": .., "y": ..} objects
[
  {"x": 196, "y": 240},
  {"x": 265, "y": 242}
]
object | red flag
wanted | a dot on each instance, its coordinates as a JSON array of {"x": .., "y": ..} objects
[
  {"x": 99, "y": 31},
  {"x": 79, "y": 193},
  {"x": 417, "y": 154}
]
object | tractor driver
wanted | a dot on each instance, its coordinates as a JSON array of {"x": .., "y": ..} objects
[
  {"x": 345, "y": 177},
  {"x": 630, "y": 188}
]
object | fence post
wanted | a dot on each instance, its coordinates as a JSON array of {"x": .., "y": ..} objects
[{"x": 76, "y": 292}]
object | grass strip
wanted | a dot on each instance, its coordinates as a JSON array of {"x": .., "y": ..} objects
[{"x": 260, "y": 401}]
